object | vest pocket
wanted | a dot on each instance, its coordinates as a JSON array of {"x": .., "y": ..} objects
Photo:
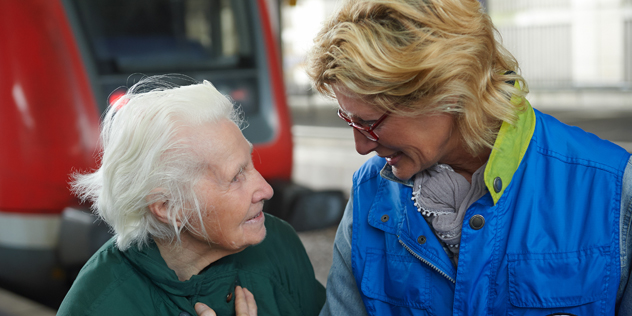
[
  {"x": 559, "y": 280},
  {"x": 396, "y": 280}
]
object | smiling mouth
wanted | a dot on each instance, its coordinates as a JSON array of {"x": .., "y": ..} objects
[
  {"x": 393, "y": 159},
  {"x": 255, "y": 218},
  {"x": 393, "y": 155}
]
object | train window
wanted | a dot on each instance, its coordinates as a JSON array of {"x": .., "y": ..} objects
[
  {"x": 128, "y": 36},
  {"x": 217, "y": 40}
]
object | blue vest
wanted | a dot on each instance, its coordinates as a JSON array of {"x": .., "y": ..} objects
[{"x": 549, "y": 243}]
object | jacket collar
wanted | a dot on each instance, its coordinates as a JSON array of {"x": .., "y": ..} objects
[
  {"x": 387, "y": 173},
  {"x": 150, "y": 263},
  {"x": 509, "y": 148}
]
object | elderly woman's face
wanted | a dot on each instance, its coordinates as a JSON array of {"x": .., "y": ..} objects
[
  {"x": 231, "y": 190},
  {"x": 409, "y": 144}
]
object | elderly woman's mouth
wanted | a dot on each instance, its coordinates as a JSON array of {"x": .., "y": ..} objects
[{"x": 255, "y": 219}]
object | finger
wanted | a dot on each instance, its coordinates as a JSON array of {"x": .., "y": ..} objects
[
  {"x": 203, "y": 310},
  {"x": 252, "y": 304},
  {"x": 241, "y": 305}
]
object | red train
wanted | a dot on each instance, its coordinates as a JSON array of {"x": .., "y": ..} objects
[{"x": 60, "y": 60}]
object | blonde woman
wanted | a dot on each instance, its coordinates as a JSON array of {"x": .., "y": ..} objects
[{"x": 476, "y": 204}]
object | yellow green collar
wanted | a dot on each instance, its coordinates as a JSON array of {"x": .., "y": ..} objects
[{"x": 510, "y": 146}]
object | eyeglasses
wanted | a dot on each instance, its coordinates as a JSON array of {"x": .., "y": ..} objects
[{"x": 367, "y": 131}]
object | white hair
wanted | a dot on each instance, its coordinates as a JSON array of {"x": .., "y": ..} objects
[{"x": 144, "y": 160}]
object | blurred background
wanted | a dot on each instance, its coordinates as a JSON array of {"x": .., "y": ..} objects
[
  {"x": 575, "y": 54},
  {"x": 61, "y": 60}
]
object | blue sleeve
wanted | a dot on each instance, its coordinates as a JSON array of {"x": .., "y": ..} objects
[
  {"x": 343, "y": 296},
  {"x": 624, "y": 296}
]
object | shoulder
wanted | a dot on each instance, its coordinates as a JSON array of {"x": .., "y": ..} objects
[
  {"x": 281, "y": 238},
  {"x": 281, "y": 270},
  {"x": 574, "y": 145},
  {"x": 101, "y": 286},
  {"x": 280, "y": 232}
]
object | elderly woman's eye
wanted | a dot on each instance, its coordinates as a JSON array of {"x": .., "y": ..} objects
[{"x": 239, "y": 176}]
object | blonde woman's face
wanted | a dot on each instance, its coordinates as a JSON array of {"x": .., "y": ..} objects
[{"x": 409, "y": 144}]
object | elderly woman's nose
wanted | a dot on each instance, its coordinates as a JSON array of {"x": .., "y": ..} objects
[
  {"x": 363, "y": 145},
  {"x": 263, "y": 192}
]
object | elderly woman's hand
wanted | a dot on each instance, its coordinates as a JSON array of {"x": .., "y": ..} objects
[{"x": 245, "y": 304}]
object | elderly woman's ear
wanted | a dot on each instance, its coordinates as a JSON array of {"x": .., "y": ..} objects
[{"x": 159, "y": 205}]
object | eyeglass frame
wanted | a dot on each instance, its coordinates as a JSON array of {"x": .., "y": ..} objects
[{"x": 368, "y": 132}]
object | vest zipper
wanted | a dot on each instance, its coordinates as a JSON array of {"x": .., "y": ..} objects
[{"x": 426, "y": 261}]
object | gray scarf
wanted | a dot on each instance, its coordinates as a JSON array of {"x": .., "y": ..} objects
[{"x": 443, "y": 196}]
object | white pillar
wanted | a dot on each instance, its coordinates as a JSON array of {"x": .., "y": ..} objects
[{"x": 597, "y": 37}]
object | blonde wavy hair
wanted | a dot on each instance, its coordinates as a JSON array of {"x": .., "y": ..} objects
[{"x": 414, "y": 57}]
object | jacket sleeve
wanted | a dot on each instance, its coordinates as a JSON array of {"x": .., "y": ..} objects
[
  {"x": 343, "y": 296},
  {"x": 624, "y": 296}
]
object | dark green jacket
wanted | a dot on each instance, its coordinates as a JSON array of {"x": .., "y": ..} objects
[{"x": 277, "y": 272}]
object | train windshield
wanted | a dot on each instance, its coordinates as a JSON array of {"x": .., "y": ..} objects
[
  {"x": 132, "y": 36},
  {"x": 215, "y": 40}
]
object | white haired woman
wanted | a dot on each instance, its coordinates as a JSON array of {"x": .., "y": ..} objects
[
  {"x": 179, "y": 190},
  {"x": 476, "y": 203}
]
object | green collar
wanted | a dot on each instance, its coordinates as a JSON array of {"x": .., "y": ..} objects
[
  {"x": 149, "y": 262},
  {"x": 510, "y": 146}
]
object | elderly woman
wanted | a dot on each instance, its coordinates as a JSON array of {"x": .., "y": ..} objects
[
  {"x": 178, "y": 188},
  {"x": 476, "y": 203}
]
